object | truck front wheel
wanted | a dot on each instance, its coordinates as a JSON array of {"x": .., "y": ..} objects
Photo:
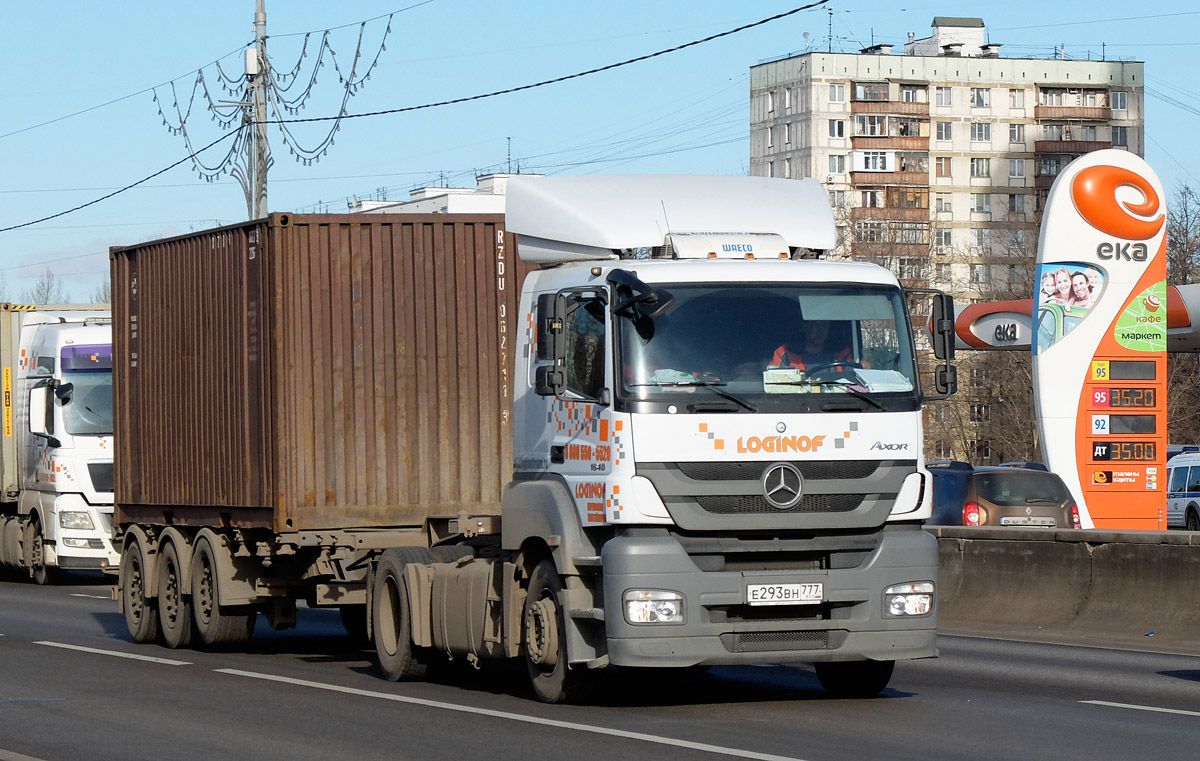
[
  {"x": 141, "y": 615},
  {"x": 399, "y": 658},
  {"x": 38, "y": 570},
  {"x": 855, "y": 679},
  {"x": 546, "y": 641}
]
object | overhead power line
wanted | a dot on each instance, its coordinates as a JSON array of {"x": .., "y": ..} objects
[{"x": 192, "y": 156}]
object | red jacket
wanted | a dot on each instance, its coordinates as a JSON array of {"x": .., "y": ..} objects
[{"x": 785, "y": 358}]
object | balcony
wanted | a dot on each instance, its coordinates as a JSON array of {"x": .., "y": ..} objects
[
  {"x": 1086, "y": 113},
  {"x": 918, "y": 179},
  {"x": 1044, "y": 181},
  {"x": 1074, "y": 147},
  {"x": 889, "y": 213},
  {"x": 886, "y": 143},
  {"x": 890, "y": 107}
]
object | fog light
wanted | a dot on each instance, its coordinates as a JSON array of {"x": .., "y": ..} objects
[
  {"x": 908, "y": 600},
  {"x": 653, "y": 606},
  {"x": 70, "y": 519},
  {"x": 80, "y": 544}
]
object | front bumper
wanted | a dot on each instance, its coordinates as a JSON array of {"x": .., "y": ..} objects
[{"x": 720, "y": 628}]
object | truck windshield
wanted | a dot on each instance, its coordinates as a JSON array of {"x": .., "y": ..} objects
[
  {"x": 773, "y": 347},
  {"x": 88, "y": 409}
]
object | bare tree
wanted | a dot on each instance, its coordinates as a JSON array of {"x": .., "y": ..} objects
[
  {"x": 1183, "y": 267},
  {"x": 103, "y": 291},
  {"x": 48, "y": 289}
]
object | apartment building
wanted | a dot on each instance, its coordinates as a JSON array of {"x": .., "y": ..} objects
[
  {"x": 942, "y": 156},
  {"x": 938, "y": 162}
]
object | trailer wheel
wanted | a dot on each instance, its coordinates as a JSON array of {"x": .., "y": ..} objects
[
  {"x": 855, "y": 679},
  {"x": 218, "y": 625},
  {"x": 391, "y": 616},
  {"x": 546, "y": 642},
  {"x": 141, "y": 614},
  {"x": 174, "y": 608}
]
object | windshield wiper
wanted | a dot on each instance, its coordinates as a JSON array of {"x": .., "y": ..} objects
[
  {"x": 714, "y": 385},
  {"x": 851, "y": 389}
]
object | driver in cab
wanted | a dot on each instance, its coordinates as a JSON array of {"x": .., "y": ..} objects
[{"x": 814, "y": 349}]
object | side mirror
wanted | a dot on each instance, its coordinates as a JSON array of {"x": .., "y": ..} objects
[
  {"x": 942, "y": 327},
  {"x": 550, "y": 309},
  {"x": 549, "y": 380},
  {"x": 41, "y": 410}
]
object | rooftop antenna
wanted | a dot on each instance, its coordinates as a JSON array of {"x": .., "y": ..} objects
[
  {"x": 831, "y": 30},
  {"x": 509, "y": 155}
]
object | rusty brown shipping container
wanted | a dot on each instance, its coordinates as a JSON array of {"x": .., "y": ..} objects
[{"x": 311, "y": 372}]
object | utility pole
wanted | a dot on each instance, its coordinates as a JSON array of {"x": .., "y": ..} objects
[{"x": 257, "y": 71}]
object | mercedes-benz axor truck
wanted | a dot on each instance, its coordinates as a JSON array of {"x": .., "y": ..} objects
[{"x": 609, "y": 466}]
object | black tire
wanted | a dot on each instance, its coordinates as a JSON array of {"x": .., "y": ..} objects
[
  {"x": 217, "y": 625},
  {"x": 141, "y": 613},
  {"x": 855, "y": 679},
  {"x": 546, "y": 642},
  {"x": 1193, "y": 520},
  {"x": 174, "y": 608},
  {"x": 38, "y": 571},
  {"x": 391, "y": 617}
]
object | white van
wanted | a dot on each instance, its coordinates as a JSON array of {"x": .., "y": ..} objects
[{"x": 1183, "y": 491}]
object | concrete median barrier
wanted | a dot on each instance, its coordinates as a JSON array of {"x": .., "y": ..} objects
[{"x": 1077, "y": 585}]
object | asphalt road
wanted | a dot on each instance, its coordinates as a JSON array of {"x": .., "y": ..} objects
[{"x": 73, "y": 687}]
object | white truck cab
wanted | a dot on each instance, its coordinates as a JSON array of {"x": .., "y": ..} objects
[{"x": 57, "y": 445}]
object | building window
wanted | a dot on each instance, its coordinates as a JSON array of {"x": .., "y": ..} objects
[
  {"x": 981, "y": 413},
  {"x": 770, "y": 102},
  {"x": 942, "y": 166},
  {"x": 912, "y": 232},
  {"x": 770, "y": 168},
  {"x": 1052, "y": 131},
  {"x": 1016, "y": 168},
  {"x": 981, "y": 97},
  {"x": 870, "y": 125},
  {"x": 1016, "y": 99},
  {"x": 980, "y": 377},
  {"x": 837, "y": 128},
  {"x": 1120, "y": 136},
  {"x": 979, "y": 274},
  {"x": 787, "y": 98},
  {"x": 1050, "y": 166},
  {"x": 944, "y": 130},
  {"x": 944, "y": 275},
  {"x": 981, "y": 203},
  {"x": 981, "y": 450},
  {"x": 837, "y": 199},
  {"x": 942, "y": 449},
  {"x": 981, "y": 132},
  {"x": 872, "y": 199},
  {"x": 1052, "y": 97},
  {"x": 912, "y": 268},
  {"x": 981, "y": 167},
  {"x": 787, "y": 168},
  {"x": 1120, "y": 100},
  {"x": 770, "y": 137},
  {"x": 787, "y": 134},
  {"x": 875, "y": 161},
  {"x": 944, "y": 96},
  {"x": 870, "y": 91},
  {"x": 912, "y": 94},
  {"x": 1016, "y": 133},
  {"x": 871, "y": 231},
  {"x": 837, "y": 93},
  {"x": 1087, "y": 132},
  {"x": 1016, "y": 204},
  {"x": 943, "y": 238},
  {"x": 941, "y": 202},
  {"x": 912, "y": 162},
  {"x": 981, "y": 238},
  {"x": 1016, "y": 242},
  {"x": 837, "y": 163}
]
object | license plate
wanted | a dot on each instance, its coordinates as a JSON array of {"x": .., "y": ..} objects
[
  {"x": 784, "y": 594},
  {"x": 1020, "y": 520}
]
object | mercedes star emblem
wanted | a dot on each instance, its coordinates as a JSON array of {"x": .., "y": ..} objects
[{"x": 782, "y": 485}]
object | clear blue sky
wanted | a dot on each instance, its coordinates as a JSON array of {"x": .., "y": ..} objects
[{"x": 686, "y": 112}]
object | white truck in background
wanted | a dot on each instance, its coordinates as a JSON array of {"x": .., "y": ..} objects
[{"x": 56, "y": 472}]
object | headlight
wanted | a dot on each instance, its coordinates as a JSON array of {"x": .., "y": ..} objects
[
  {"x": 79, "y": 544},
  {"x": 653, "y": 606},
  {"x": 71, "y": 519},
  {"x": 904, "y": 600}
]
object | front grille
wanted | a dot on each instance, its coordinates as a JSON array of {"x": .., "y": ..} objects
[
  {"x": 757, "y": 642},
  {"x": 102, "y": 475},
  {"x": 752, "y": 503},
  {"x": 820, "y": 470}
]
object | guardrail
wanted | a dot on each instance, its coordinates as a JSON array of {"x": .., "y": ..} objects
[{"x": 1078, "y": 585}]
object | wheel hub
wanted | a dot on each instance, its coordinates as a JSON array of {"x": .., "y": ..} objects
[{"x": 541, "y": 633}]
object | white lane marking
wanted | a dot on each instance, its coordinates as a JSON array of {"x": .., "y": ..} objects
[
  {"x": 8, "y": 755},
  {"x": 717, "y": 749},
  {"x": 132, "y": 656},
  {"x": 1133, "y": 707},
  {"x": 94, "y": 597}
]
